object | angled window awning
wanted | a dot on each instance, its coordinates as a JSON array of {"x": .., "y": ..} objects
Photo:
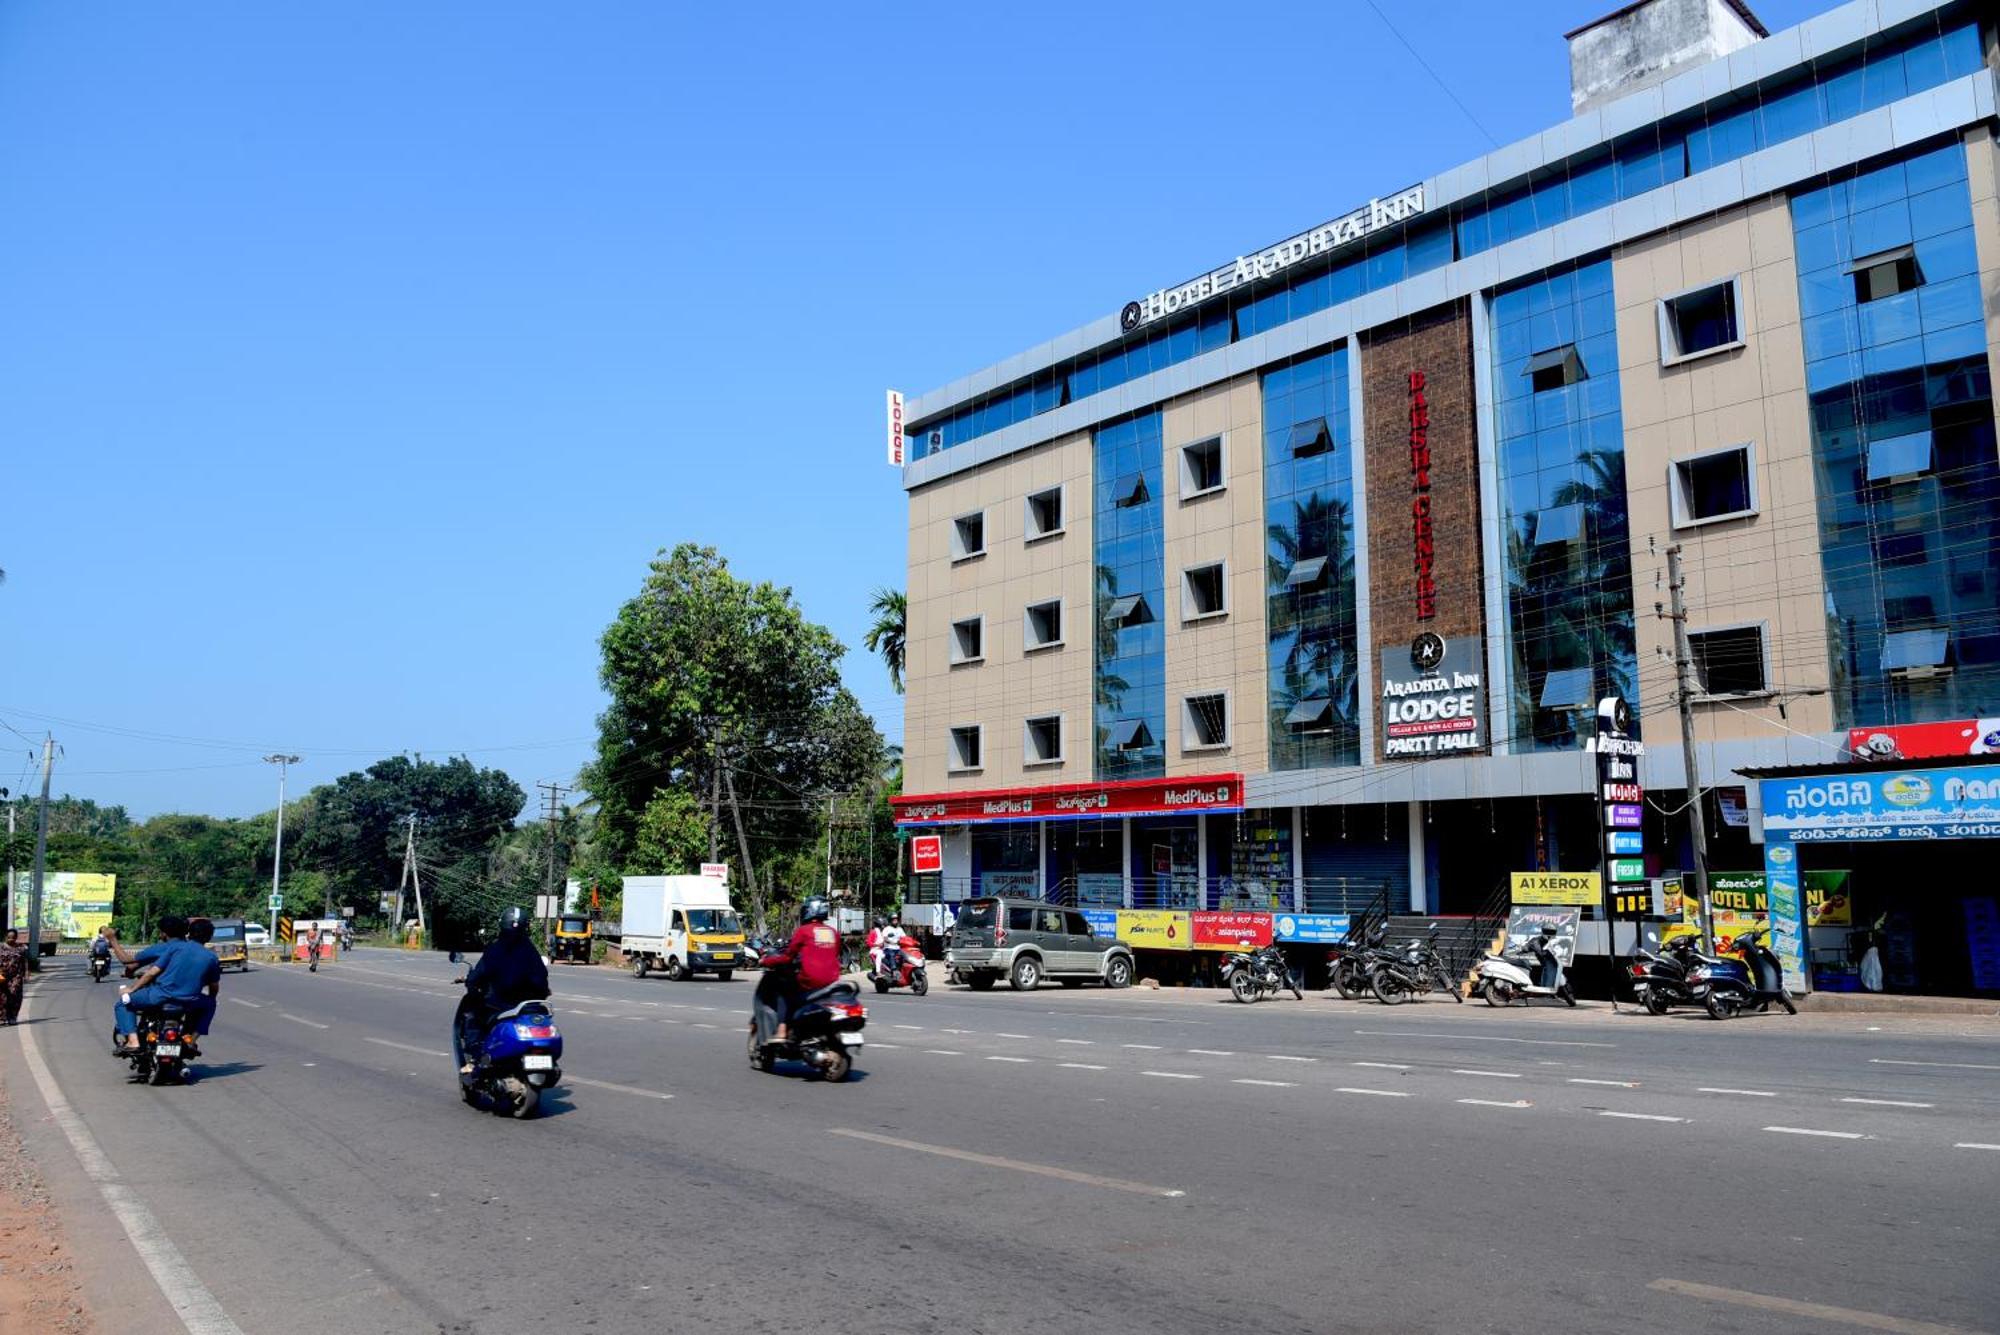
[
  {"x": 1309, "y": 438},
  {"x": 1561, "y": 523},
  {"x": 1566, "y": 688},
  {"x": 1131, "y": 610},
  {"x": 1900, "y": 456},
  {"x": 1306, "y": 573},
  {"x": 1555, "y": 367},
  {"x": 1130, "y": 734},
  {"x": 1131, "y": 491},
  {"x": 1903, "y": 650},
  {"x": 1314, "y": 715}
]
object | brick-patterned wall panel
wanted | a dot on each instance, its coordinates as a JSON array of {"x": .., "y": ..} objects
[{"x": 1437, "y": 344}]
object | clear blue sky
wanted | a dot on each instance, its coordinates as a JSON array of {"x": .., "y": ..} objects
[{"x": 356, "y": 356}]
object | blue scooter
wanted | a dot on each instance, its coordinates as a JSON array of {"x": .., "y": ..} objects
[{"x": 521, "y": 1057}]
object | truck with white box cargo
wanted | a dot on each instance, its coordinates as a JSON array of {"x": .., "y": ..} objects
[{"x": 681, "y": 926}]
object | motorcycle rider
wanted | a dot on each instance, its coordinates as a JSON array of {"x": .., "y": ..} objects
[
  {"x": 201, "y": 931},
  {"x": 815, "y": 950},
  {"x": 170, "y": 970},
  {"x": 100, "y": 949},
  {"x": 509, "y": 972},
  {"x": 880, "y": 940}
]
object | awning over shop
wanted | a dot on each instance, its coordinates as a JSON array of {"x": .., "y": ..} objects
[{"x": 1124, "y": 797}]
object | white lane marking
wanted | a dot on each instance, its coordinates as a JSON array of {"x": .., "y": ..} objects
[
  {"x": 1017, "y": 1165},
  {"x": 1383, "y": 1066},
  {"x": 1268, "y": 1084},
  {"x": 908, "y": 1026},
  {"x": 1141, "y": 1047},
  {"x": 1078, "y": 1042},
  {"x": 572, "y": 1010},
  {"x": 1847, "y": 1316},
  {"x": 1724, "y": 1089},
  {"x": 197, "y": 1308},
  {"x": 1485, "y": 1038},
  {"x": 254, "y": 1005},
  {"x": 958, "y": 1031},
  {"x": 1210, "y": 1052},
  {"x": 1974, "y": 1145},
  {"x": 300, "y": 1019},
  {"x": 616, "y": 1089},
  {"x": 701, "y": 1024},
  {"x": 1639, "y": 1117},
  {"x": 403, "y": 1047},
  {"x": 1497, "y": 1075},
  {"x": 1808, "y": 1131},
  {"x": 1281, "y": 1057},
  {"x": 1171, "y": 1075},
  {"x": 1615, "y": 1084},
  {"x": 1890, "y": 1103},
  {"x": 1498, "y": 1103},
  {"x": 892, "y": 1047},
  {"x": 942, "y": 1052},
  {"x": 1079, "y": 1066},
  {"x": 1019, "y": 1061},
  {"x": 1378, "y": 1093},
  {"x": 1010, "y": 1036},
  {"x": 1956, "y": 1066}
]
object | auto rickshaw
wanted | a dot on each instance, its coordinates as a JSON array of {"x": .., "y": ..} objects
[
  {"x": 571, "y": 942},
  {"x": 230, "y": 944}
]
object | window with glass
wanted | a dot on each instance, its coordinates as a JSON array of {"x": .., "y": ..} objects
[
  {"x": 1561, "y": 456},
  {"x": 1128, "y": 546},
  {"x": 1315, "y": 717},
  {"x": 1903, "y": 442}
]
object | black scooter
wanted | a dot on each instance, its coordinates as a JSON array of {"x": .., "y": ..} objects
[
  {"x": 1660, "y": 981},
  {"x": 825, "y": 1027},
  {"x": 1758, "y": 981}
]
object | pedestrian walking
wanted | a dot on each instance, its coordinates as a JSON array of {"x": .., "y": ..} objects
[{"x": 13, "y": 975}]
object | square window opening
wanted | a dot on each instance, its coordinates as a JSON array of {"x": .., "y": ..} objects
[
  {"x": 1204, "y": 592},
  {"x": 1729, "y": 661},
  {"x": 967, "y": 747},
  {"x": 1306, "y": 574},
  {"x": 1559, "y": 524},
  {"x": 1130, "y": 610},
  {"x": 1888, "y": 274},
  {"x": 1201, "y": 468},
  {"x": 1310, "y": 438},
  {"x": 1044, "y": 625},
  {"x": 1042, "y": 740},
  {"x": 1917, "y": 653},
  {"x": 1900, "y": 457},
  {"x": 1711, "y": 487},
  {"x": 1130, "y": 734},
  {"x": 1132, "y": 490},
  {"x": 1311, "y": 716},
  {"x": 1567, "y": 688},
  {"x": 968, "y": 640},
  {"x": 1045, "y": 514},
  {"x": 1555, "y": 368},
  {"x": 968, "y": 536},
  {"x": 1701, "y": 321},
  {"x": 1205, "y": 722}
]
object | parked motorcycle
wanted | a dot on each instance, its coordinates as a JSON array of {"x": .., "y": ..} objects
[
  {"x": 1253, "y": 975},
  {"x": 1531, "y": 969},
  {"x": 903, "y": 965},
  {"x": 1415, "y": 971},
  {"x": 1351, "y": 962},
  {"x": 1660, "y": 979},
  {"x": 825, "y": 1026},
  {"x": 519, "y": 1059},
  {"x": 1754, "y": 979},
  {"x": 166, "y": 1041}
]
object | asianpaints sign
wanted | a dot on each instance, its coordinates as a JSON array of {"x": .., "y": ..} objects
[
  {"x": 1137, "y": 797},
  {"x": 1230, "y": 931}
]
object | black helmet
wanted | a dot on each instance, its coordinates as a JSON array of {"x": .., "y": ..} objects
[
  {"x": 881, "y": 921},
  {"x": 513, "y": 916},
  {"x": 814, "y": 909}
]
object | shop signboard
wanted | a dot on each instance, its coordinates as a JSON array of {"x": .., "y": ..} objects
[
  {"x": 1082, "y": 801},
  {"x": 1626, "y": 815},
  {"x": 927, "y": 854},
  {"x": 1154, "y": 929},
  {"x": 1624, "y": 842},
  {"x": 895, "y": 429},
  {"x": 1100, "y": 888},
  {"x": 1015, "y": 884},
  {"x": 1556, "y": 887},
  {"x": 1311, "y": 928},
  {"x": 1742, "y": 899},
  {"x": 1433, "y": 699},
  {"x": 1734, "y": 806},
  {"x": 1925, "y": 741},
  {"x": 1214, "y": 930},
  {"x": 74, "y": 903},
  {"x": 1526, "y": 921},
  {"x": 1103, "y": 922},
  {"x": 1626, "y": 870}
]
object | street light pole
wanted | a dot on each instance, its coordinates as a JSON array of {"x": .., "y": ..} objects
[{"x": 278, "y": 850}]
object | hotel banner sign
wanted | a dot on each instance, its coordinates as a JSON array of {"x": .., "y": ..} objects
[
  {"x": 1246, "y": 269},
  {"x": 1128, "y": 797}
]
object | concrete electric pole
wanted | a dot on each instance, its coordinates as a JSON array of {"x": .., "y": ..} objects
[
  {"x": 554, "y": 793},
  {"x": 278, "y": 849},
  {"x": 1684, "y": 699},
  {"x": 41, "y": 857}
]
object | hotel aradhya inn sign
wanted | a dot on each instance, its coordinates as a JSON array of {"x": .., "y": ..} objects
[
  {"x": 1433, "y": 699},
  {"x": 1129, "y": 797},
  {"x": 1246, "y": 269}
]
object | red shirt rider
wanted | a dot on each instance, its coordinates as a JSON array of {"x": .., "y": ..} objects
[{"x": 816, "y": 948}]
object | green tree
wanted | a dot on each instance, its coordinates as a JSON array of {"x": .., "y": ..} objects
[
  {"x": 673, "y": 835},
  {"x": 889, "y": 631}
]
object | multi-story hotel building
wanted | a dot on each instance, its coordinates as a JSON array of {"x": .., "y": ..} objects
[{"x": 1301, "y": 580}]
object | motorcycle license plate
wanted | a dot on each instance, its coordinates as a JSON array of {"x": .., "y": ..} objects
[
  {"x": 537, "y": 1063},
  {"x": 849, "y": 1040},
  {"x": 167, "y": 1050}
]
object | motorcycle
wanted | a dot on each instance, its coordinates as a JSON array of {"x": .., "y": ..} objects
[
  {"x": 902, "y": 966},
  {"x": 166, "y": 1041},
  {"x": 1660, "y": 980},
  {"x": 1253, "y": 975},
  {"x": 825, "y": 1026},
  {"x": 520, "y": 1057},
  {"x": 1413, "y": 972},
  {"x": 1351, "y": 962},
  {"x": 1505, "y": 978},
  {"x": 1755, "y": 979},
  {"x": 100, "y": 967}
]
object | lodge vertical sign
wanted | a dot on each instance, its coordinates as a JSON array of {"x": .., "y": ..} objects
[{"x": 1620, "y": 808}]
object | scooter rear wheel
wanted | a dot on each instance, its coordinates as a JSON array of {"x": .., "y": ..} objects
[
  {"x": 1722, "y": 1007},
  {"x": 1655, "y": 1003},
  {"x": 837, "y": 1068},
  {"x": 1497, "y": 993}
]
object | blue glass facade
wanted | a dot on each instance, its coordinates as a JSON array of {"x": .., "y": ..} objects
[
  {"x": 1645, "y": 160},
  {"x": 1565, "y": 550},
  {"x": 1129, "y": 666},
  {"x": 1902, "y": 407},
  {"x": 1315, "y": 717}
]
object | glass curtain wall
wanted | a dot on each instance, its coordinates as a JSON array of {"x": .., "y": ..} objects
[
  {"x": 1561, "y": 454},
  {"x": 1902, "y": 411},
  {"x": 1130, "y": 663},
  {"x": 1309, "y": 564}
]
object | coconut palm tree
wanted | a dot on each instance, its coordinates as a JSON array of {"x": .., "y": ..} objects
[
  {"x": 1312, "y": 631},
  {"x": 888, "y": 633}
]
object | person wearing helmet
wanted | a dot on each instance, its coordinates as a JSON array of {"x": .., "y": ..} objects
[
  {"x": 809, "y": 962},
  {"x": 509, "y": 972},
  {"x": 880, "y": 938}
]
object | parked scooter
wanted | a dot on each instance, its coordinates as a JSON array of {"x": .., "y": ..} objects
[
  {"x": 903, "y": 965},
  {"x": 519, "y": 1059},
  {"x": 1531, "y": 969},
  {"x": 1755, "y": 979},
  {"x": 1660, "y": 979},
  {"x": 1253, "y": 975}
]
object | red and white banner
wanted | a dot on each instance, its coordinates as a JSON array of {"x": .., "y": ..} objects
[
  {"x": 895, "y": 429},
  {"x": 1124, "y": 797},
  {"x": 1224, "y": 930},
  {"x": 1925, "y": 741},
  {"x": 927, "y": 854}
]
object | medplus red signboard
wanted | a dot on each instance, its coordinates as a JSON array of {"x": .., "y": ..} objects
[
  {"x": 927, "y": 853},
  {"x": 1925, "y": 741},
  {"x": 1230, "y": 931},
  {"x": 1126, "y": 797}
]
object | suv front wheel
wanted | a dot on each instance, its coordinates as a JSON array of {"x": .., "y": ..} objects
[
  {"x": 1118, "y": 971},
  {"x": 1027, "y": 975}
]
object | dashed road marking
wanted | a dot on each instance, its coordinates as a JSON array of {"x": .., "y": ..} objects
[
  {"x": 1956, "y": 1066},
  {"x": 1378, "y": 1093},
  {"x": 909, "y": 1026},
  {"x": 1498, "y": 1103},
  {"x": 892, "y": 1047},
  {"x": 254, "y": 1005},
  {"x": 617, "y": 1089},
  {"x": 1615, "y": 1084},
  {"x": 1079, "y": 1066},
  {"x": 403, "y": 1047},
  {"x": 1171, "y": 1075},
  {"x": 1639, "y": 1117},
  {"x": 1079, "y": 1042},
  {"x": 1973, "y": 1145},
  {"x": 1816, "y": 1312},
  {"x": 1497, "y": 1075},
  {"x": 1141, "y": 1047},
  {"x": 1723, "y": 1089},
  {"x": 940, "y": 1052},
  {"x": 1809, "y": 1131},
  {"x": 1010, "y": 1036},
  {"x": 1019, "y": 1061},
  {"x": 300, "y": 1019},
  {"x": 1268, "y": 1084},
  {"x": 1383, "y": 1066},
  {"x": 1890, "y": 1103},
  {"x": 1210, "y": 1052},
  {"x": 1281, "y": 1057},
  {"x": 1017, "y": 1165}
]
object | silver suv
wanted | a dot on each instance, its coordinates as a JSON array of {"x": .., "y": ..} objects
[{"x": 1026, "y": 940}]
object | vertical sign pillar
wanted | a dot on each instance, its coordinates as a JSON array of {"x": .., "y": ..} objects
[{"x": 1621, "y": 815}]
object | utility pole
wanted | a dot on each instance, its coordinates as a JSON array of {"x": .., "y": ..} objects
[
  {"x": 714, "y": 798},
  {"x": 1684, "y": 698},
  {"x": 41, "y": 857},
  {"x": 403, "y": 877},
  {"x": 283, "y": 762},
  {"x": 7, "y": 898},
  {"x": 743, "y": 846},
  {"x": 554, "y": 793},
  {"x": 829, "y": 847}
]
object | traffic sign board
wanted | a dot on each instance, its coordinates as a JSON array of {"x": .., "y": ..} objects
[{"x": 277, "y": 902}]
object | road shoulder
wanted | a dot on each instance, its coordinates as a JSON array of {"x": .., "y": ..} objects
[{"x": 40, "y": 1288}]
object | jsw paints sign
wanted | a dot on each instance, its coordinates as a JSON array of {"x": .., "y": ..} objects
[{"x": 1138, "y": 797}]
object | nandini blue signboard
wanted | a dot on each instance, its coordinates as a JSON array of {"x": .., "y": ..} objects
[{"x": 1951, "y": 802}]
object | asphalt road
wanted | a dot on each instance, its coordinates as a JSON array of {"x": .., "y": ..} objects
[{"x": 1075, "y": 1159}]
